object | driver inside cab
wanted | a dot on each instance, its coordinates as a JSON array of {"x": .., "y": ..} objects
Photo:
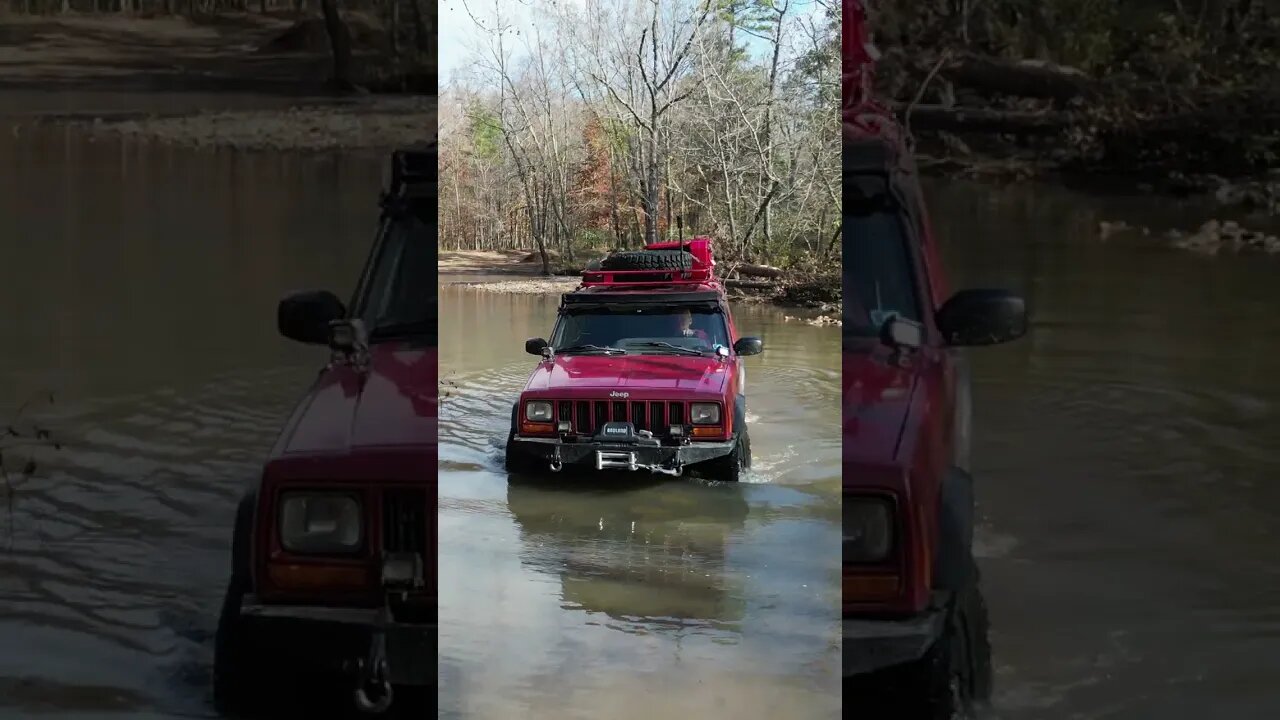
[{"x": 685, "y": 328}]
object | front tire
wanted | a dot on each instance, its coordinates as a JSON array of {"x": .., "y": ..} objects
[
  {"x": 237, "y": 656},
  {"x": 517, "y": 462},
  {"x": 238, "y": 652},
  {"x": 954, "y": 679},
  {"x": 732, "y": 467}
]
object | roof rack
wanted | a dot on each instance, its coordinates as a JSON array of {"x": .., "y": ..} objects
[{"x": 700, "y": 270}]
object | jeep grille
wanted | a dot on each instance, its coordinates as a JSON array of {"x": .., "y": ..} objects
[{"x": 586, "y": 416}]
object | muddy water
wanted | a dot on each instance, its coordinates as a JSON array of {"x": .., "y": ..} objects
[
  {"x": 1126, "y": 454},
  {"x": 140, "y": 286},
  {"x": 661, "y": 598}
]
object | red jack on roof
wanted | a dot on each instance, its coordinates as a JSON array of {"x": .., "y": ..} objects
[{"x": 865, "y": 117}]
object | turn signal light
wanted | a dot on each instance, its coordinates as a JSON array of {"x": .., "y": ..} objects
[
  {"x": 292, "y": 576},
  {"x": 536, "y": 428},
  {"x": 870, "y": 588},
  {"x": 713, "y": 432}
]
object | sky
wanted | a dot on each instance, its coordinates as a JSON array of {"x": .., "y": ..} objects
[{"x": 459, "y": 35}]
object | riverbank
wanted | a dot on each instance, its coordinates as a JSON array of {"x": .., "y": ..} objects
[
  {"x": 243, "y": 80},
  {"x": 819, "y": 295},
  {"x": 1147, "y": 121}
]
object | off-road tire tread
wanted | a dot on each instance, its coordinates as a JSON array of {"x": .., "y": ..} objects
[
  {"x": 235, "y": 675},
  {"x": 980, "y": 625},
  {"x": 648, "y": 260},
  {"x": 516, "y": 463}
]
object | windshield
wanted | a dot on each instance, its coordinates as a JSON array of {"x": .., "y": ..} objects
[
  {"x": 878, "y": 277},
  {"x": 641, "y": 331},
  {"x": 400, "y": 291}
]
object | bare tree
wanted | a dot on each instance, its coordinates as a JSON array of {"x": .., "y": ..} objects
[
  {"x": 643, "y": 70},
  {"x": 598, "y": 123}
]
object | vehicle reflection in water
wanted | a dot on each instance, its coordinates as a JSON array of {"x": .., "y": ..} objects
[
  {"x": 629, "y": 596},
  {"x": 648, "y": 558}
]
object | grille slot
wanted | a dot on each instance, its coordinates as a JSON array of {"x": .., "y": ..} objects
[
  {"x": 655, "y": 417},
  {"x": 675, "y": 413},
  {"x": 583, "y": 421},
  {"x": 602, "y": 413},
  {"x": 404, "y": 521},
  {"x": 638, "y": 416}
]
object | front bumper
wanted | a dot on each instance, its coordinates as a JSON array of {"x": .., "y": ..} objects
[
  {"x": 597, "y": 455},
  {"x": 411, "y": 647},
  {"x": 871, "y": 645}
]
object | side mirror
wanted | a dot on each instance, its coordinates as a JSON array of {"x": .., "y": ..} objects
[
  {"x": 748, "y": 346},
  {"x": 899, "y": 332},
  {"x": 535, "y": 346},
  {"x": 982, "y": 317},
  {"x": 305, "y": 316}
]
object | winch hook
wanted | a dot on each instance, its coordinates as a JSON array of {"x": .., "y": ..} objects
[
  {"x": 373, "y": 694},
  {"x": 556, "y": 464}
]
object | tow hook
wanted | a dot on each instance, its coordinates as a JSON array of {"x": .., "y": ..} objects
[
  {"x": 676, "y": 471},
  {"x": 556, "y": 464},
  {"x": 373, "y": 693}
]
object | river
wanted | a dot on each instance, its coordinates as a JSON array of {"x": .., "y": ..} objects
[
  {"x": 1124, "y": 450},
  {"x": 140, "y": 284},
  {"x": 637, "y": 599},
  {"x": 1125, "y": 455}
]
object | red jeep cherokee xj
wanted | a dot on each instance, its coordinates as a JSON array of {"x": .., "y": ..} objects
[
  {"x": 333, "y": 556},
  {"x": 643, "y": 372},
  {"x": 915, "y": 624}
]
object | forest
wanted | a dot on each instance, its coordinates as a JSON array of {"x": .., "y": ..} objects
[{"x": 619, "y": 123}]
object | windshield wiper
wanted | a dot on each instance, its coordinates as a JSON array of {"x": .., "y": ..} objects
[
  {"x": 669, "y": 346},
  {"x": 402, "y": 329},
  {"x": 591, "y": 348}
]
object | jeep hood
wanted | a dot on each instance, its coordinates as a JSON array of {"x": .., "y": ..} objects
[
  {"x": 392, "y": 408},
  {"x": 586, "y": 375},
  {"x": 877, "y": 401}
]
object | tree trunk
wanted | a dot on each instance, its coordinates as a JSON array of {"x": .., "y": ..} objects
[
  {"x": 651, "y": 181},
  {"x": 339, "y": 43},
  {"x": 394, "y": 31},
  {"x": 420, "y": 34},
  {"x": 614, "y": 220}
]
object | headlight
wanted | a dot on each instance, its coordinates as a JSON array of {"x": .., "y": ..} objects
[
  {"x": 538, "y": 411},
  {"x": 320, "y": 523},
  {"x": 868, "y": 529},
  {"x": 704, "y": 414}
]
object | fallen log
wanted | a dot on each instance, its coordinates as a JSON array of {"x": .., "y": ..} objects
[
  {"x": 759, "y": 270},
  {"x": 749, "y": 284},
  {"x": 982, "y": 120},
  {"x": 1020, "y": 78}
]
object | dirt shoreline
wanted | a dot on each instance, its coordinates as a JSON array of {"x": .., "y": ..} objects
[{"x": 219, "y": 81}]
